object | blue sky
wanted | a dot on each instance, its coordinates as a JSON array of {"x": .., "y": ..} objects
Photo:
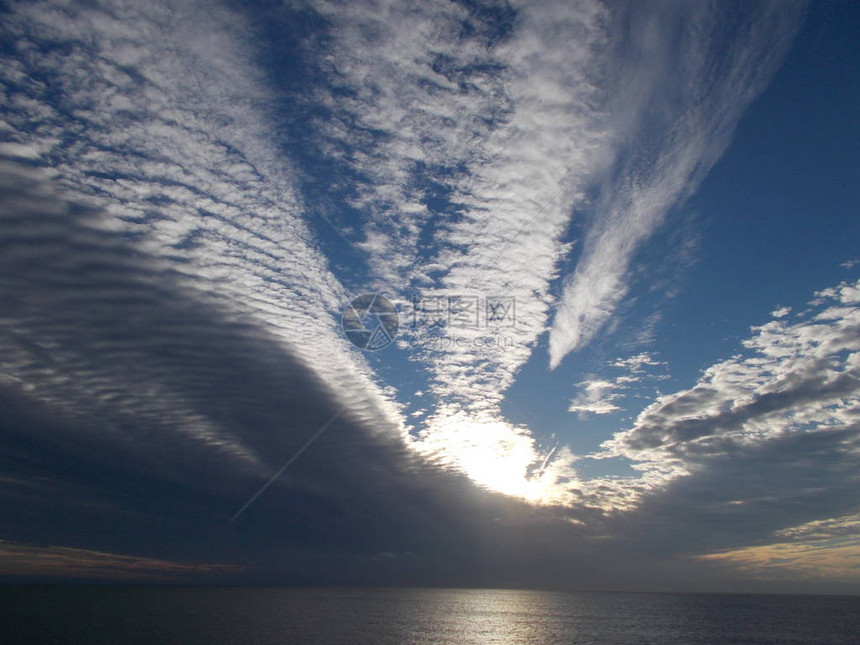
[{"x": 659, "y": 198}]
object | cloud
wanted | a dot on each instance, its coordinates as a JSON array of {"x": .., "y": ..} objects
[
  {"x": 110, "y": 367},
  {"x": 169, "y": 315},
  {"x": 745, "y": 495},
  {"x": 760, "y": 451},
  {"x": 138, "y": 417},
  {"x": 597, "y": 395},
  {"x": 474, "y": 105},
  {"x": 637, "y": 363},
  {"x": 683, "y": 109},
  {"x": 802, "y": 376},
  {"x": 28, "y": 561},
  {"x": 470, "y": 131},
  {"x": 789, "y": 560},
  {"x": 169, "y": 331},
  {"x": 824, "y": 530},
  {"x": 169, "y": 323},
  {"x": 472, "y": 135},
  {"x": 172, "y": 162}
]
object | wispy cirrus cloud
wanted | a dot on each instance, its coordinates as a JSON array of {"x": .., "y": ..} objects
[{"x": 678, "y": 106}]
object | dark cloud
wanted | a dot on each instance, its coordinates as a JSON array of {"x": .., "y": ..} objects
[
  {"x": 746, "y": 495},
  {"x": 682, "y": 425}
]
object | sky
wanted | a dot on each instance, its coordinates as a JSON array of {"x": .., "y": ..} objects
[{"x": 551, "y": 294}]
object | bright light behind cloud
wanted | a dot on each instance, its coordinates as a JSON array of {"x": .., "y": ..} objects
[{"x": 499, "y": 456}]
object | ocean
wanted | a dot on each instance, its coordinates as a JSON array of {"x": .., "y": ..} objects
[{"x": 120, "y": 615}]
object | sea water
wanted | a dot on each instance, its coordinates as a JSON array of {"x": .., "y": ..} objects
[{"x": 94, "y": 615}]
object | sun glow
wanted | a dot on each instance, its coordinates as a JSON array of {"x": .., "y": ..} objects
[{"x": 498, "y": 456}]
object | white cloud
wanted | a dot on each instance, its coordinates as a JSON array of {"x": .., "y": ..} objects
[
  {"x": 637, "y": 363},
  {"x": 598, "y": 395},
  {"x": 173, "y": 147},
  {"x": 699, "y": 106},
  {"x": 508, "y": 123},
  {"x": 764, "y": 438},
  {"x": 801, "y": 376}
]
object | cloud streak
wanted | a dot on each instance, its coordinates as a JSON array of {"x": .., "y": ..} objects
[
  {"x": 28, "y": 561},
  {"x": 678, "y": 106}
]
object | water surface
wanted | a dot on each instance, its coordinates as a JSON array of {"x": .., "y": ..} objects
[{"x": 94, "y": 615}]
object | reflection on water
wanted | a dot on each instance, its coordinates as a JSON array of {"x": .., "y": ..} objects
[
  {"x": 131, "y": 615},
  {"x": 477, "y": 616}
]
